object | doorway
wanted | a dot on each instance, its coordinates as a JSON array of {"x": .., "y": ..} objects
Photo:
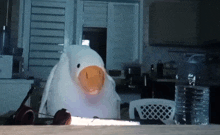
[{"x": 97, "y": 38}]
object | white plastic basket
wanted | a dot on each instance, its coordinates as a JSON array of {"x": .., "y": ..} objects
[{"x": 153, "y": 109}]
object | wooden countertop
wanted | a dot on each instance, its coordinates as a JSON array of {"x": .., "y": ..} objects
[{"x": 113, "y": 130}]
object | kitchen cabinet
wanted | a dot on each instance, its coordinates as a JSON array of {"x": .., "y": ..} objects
[
  {"x": 185, "y": 23},
  {"x": 173, "y": 23},
  {"x": 209, "y": 23}
]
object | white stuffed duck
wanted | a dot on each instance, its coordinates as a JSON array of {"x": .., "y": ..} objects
[{"x": 80, "y": 84}]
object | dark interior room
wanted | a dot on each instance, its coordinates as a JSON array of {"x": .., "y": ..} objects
[{"x": 161, "y": 66}]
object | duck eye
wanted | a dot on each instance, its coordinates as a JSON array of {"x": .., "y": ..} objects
[{"x": 78, "y": 65}]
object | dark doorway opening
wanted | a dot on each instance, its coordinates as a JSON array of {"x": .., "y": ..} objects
[{"x": 97, "y": 40}]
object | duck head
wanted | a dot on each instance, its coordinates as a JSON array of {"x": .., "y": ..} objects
[{"x": 86, "y": 69}]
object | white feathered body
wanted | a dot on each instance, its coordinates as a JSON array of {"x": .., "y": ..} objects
[{"x": 61, "y": 91}]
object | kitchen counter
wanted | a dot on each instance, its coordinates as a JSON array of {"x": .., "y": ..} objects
[{"x": 207, "y": 83}]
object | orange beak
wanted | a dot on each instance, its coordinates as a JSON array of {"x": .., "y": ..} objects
[{"x": 92, "y": 79}]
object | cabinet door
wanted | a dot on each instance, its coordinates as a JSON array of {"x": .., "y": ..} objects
[
  {"x": 122, "y": 34},
  {"x": 173, "y": 23},
  {"x": 48, "y": 25},
  {"x": 95, "y": 14}
]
